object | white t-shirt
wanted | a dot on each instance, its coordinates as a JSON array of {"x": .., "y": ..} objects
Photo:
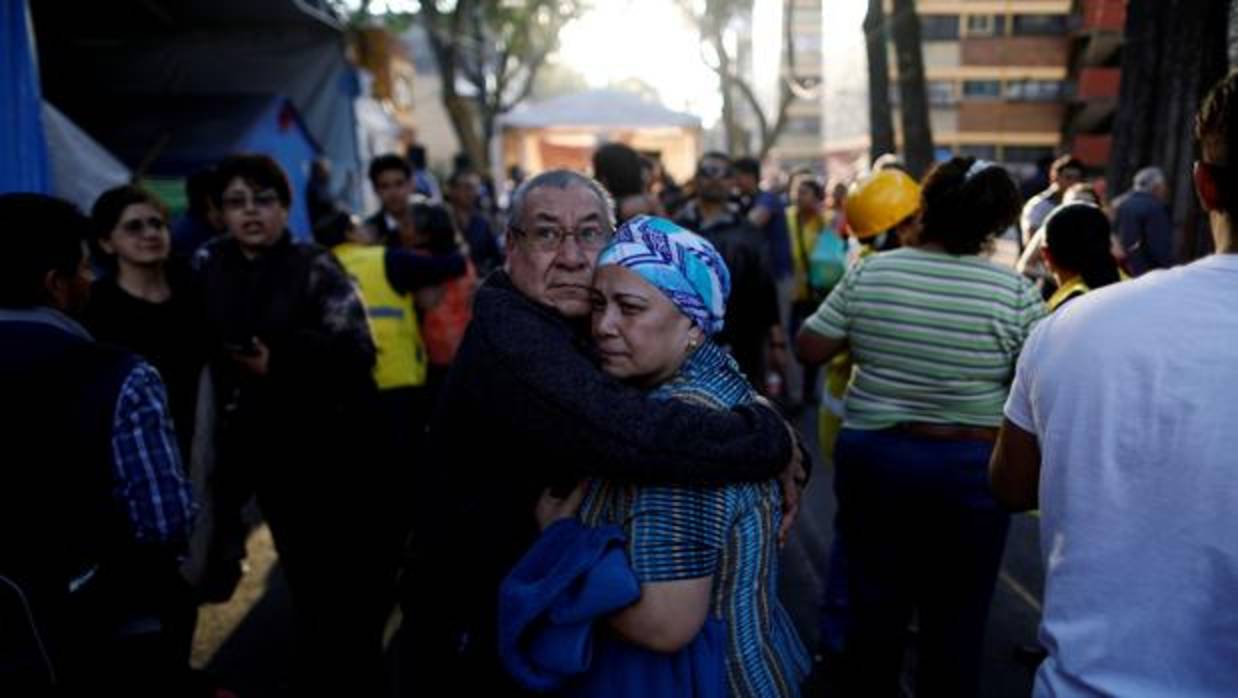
[{"x": 1132, "y": 391}]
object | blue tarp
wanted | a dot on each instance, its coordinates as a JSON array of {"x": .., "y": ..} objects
[
  {"x": 23, "y": 147},
  {"x": 177, "y": 136}
]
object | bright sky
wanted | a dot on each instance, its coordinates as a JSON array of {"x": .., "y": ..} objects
[
  {"x": 646, "y": 39},
  {"x": 653, "y": 41}
]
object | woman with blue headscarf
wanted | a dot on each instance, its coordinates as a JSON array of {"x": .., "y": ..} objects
[{"x": 705, "y": 557}]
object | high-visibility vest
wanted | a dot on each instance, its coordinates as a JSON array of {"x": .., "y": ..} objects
[
  {"x": 803, "y": 240},
  {"x": 392, "y": 316}
]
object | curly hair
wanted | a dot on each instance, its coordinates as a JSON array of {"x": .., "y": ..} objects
[{"x": 964, "y": 210}]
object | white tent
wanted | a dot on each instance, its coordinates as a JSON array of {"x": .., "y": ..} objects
[
  {"x": 81, "y": 169},
  {"x": 564, "y": 131}
]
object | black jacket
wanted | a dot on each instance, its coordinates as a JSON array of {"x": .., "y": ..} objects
[
  {"x": 524, "y": 407},
  {"x": 299, "y": 301},
  {"x": 752, "y": 307}
]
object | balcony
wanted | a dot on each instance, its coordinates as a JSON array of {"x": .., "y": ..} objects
[
  {"x": 1103, "y": 15},
  {"x": 1004, "y": 117},
  {"x": 1098, "y": 84},
  {"x": 1016, "y": 51},
  {"x": 1092, "y": 149}
]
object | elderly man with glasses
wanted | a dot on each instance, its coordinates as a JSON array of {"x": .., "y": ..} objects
[{"x": 525, "y": 408}]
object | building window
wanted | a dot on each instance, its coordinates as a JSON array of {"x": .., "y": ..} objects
[
  {"x": 1039, "y": 25},
  {"x": 807, "y": 43},
  {"x": 817, "y": 167},
  {"x": 939, "y": 27},
  {"x": 1035, "y": 90},
  {"x": 804, "y": 124},
  {"x": 941, "y": 93},
  {"x": 982, "y": 89},
  {"x": 982, "y": 25},
  {"x": 1026, "y": 153},
  {"x": 980, "y": 152}
]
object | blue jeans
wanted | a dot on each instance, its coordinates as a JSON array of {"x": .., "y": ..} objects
[{"x": 923, "y": 534}]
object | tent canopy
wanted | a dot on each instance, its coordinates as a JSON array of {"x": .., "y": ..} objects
[
  {"x": 146, "y": 51},
  {"x": 599, "y": 108},
  {"x": 81, "y": 168},
  {"x": 177, "y": 136}
]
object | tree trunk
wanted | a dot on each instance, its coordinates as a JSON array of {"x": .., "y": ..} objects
[
  {"x": 731, "y": 131},
  {"x": 461, "y": 112},
  {"x": 1175, "y": 51},
  {"x": 912, "y": 91},
  {"x": 441, "y": 30},
  {"x": 881, "y": 121}
]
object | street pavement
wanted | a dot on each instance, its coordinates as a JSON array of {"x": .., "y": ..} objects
[{"x": 246, "y": 643}]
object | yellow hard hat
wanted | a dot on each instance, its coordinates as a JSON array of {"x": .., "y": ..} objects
[{"x": 881, "y": 201}]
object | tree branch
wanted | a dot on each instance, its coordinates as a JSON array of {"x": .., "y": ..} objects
[
  {"x": 530, "y": 76},
  {"x": 749, "y": 96}
]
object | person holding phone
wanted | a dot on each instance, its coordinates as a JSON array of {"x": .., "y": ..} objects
[{"x": 292, "y": 359}]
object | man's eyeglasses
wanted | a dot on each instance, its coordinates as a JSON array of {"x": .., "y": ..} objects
[
  {"x": 548, "y": 238},
  {"x": 240, "y": 202},
  {"x": 135, "y": 226},
  {"x": 713, "y": 171}
]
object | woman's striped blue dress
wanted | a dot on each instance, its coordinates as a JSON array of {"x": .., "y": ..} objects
[{"x": 728, "y": 532}]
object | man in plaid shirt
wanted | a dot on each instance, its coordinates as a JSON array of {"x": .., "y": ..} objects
[{"x": 95, "y": 509}]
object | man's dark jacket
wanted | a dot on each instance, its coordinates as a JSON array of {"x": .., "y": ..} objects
[{"x": 1145, "y": 231}]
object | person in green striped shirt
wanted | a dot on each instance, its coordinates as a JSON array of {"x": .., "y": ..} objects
[{"x": 934, "y": 330}]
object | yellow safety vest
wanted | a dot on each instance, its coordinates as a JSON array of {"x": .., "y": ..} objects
[
  {"x": 392, "y": 316},
  {"x": 803, "y": 240}
]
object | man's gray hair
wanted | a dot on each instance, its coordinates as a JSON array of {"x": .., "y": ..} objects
[
  {"x": 1149, "y": 178},
  {"x": 561, "y": 179}
]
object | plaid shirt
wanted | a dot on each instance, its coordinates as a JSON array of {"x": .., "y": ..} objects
[{"x": 150, "y": 481}]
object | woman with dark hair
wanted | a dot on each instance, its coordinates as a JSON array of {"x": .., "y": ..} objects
[
  {"x": 141, "y": 304},
  {"x": 1078, "y": 252},
  {"x": 292, "y": 357},
  {"x": 934, "y": 330}
]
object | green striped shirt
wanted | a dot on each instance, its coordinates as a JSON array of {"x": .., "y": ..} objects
[{"x": 934, "y": 337}]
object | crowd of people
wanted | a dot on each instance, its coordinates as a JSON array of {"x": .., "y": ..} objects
[{"x": 559, "y": 441}]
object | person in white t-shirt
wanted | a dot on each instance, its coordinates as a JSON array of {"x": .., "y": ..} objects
[{"x": 1121, "y": 427}]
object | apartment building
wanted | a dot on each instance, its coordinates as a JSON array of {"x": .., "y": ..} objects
[
  {"x": 996, "y": 76},
  {"x": 768, "y": 59},
  {"x": 998, "y": 79},
  {"x": 1095, "y": 77},
  {"x": 801, "y": 143}
]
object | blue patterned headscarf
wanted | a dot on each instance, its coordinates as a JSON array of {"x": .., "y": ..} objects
[{"x": 682, "y": 265}]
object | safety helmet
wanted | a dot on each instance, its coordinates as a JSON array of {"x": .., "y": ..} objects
[{"x": 881, "y": 201}]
